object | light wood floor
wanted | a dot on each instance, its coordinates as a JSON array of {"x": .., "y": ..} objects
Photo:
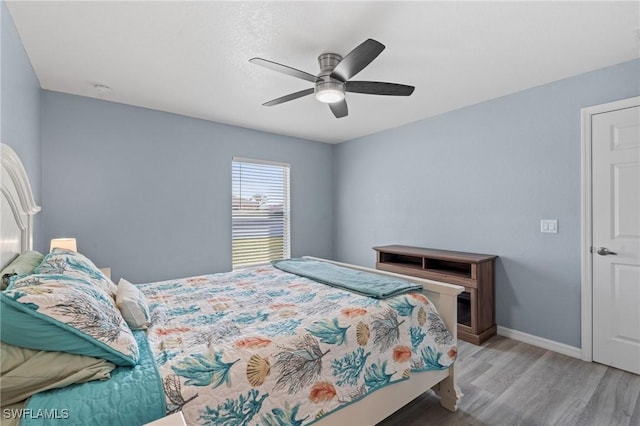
[{"x": 506, "y": 382}]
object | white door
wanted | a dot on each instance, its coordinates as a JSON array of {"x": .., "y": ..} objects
[{"x": 616, "y": 238}]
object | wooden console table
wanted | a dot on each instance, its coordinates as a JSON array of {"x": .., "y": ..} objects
[{"x": 476, "y": 305}]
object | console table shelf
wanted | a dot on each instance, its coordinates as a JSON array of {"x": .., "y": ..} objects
[{"x": 476, "y": 305}]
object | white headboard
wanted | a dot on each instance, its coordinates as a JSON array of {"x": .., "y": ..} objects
[{"x": 17, "y": 207}]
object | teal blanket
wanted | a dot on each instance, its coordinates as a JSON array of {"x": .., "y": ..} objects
[
  {"x": 133, "y": 396},
  {"x": 360, "y": 282}
]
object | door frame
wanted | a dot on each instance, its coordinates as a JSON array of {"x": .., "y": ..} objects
[{"x": 587, "y": 218}]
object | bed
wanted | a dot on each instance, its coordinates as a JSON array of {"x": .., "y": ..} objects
[{"x": 255, "y": 346}]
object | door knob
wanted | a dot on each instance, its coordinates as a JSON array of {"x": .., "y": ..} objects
[{"x": 603, "y": 251}]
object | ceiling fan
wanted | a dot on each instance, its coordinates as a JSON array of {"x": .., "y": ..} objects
[{"x": 333, "y": 80}]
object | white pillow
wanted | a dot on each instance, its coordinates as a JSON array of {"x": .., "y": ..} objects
[{"x": 132, "y": 305}]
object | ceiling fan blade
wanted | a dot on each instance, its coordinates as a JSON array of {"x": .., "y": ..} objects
[
  {"x": 379, "y": 88},
  {"x": 289, "y": 97},
  {"x": 357, "y": 59},
  {"x": 283, "y": 69},
  {"x": 339, "y": 109}
]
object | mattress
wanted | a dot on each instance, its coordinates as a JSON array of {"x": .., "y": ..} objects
[
  {"x": 264, "y": 346},
  {"x": 261, "y": 346}
]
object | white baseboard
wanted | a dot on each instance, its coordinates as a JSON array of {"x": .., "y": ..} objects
[{"x": 541, "y": 342}]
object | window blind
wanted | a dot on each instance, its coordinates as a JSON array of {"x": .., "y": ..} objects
[{"x": 260, "y": 212}]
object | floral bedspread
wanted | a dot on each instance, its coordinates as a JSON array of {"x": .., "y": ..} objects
[{"x": 261, "y": 346}]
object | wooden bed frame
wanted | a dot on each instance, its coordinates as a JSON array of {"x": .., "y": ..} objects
[
  {"x": 17, "y": 237},
  {"x": 17, "y": 207}
]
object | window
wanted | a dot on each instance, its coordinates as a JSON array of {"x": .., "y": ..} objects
[{"x": 260, "y": 212}]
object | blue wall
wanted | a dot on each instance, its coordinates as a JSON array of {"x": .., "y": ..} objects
[
  {"x": 20, "y": 117},
  {"x": 479, "y": 179},
  {"x": 148, "y": 193}
]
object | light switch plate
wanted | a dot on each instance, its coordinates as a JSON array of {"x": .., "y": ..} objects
[{"x": 549, "y": 226}]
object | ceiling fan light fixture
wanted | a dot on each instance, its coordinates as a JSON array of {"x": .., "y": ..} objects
[
  {"x": 329, "y": 92},
  {"x": 329, "y": 96}
]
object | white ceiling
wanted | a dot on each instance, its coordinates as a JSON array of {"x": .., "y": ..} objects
[{"x": 192, "y": 58}]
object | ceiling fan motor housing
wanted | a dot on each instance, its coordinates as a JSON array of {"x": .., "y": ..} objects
[{"x": 329, "y": 89}]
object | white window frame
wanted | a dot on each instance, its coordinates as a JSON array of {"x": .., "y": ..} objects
[{"x": 286, "y": 209}]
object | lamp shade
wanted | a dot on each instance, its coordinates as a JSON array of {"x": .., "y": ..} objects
[{"x": 64, "y": 243}]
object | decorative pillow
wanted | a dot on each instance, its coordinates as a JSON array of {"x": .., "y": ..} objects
[
  {"x": 133, "y": 306},
  {"x": 68, "y": 262},
  {"x": 24, "y": 264},
  {"x": 68, "y": 314},
  {"x": 24, "y": 372}
]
